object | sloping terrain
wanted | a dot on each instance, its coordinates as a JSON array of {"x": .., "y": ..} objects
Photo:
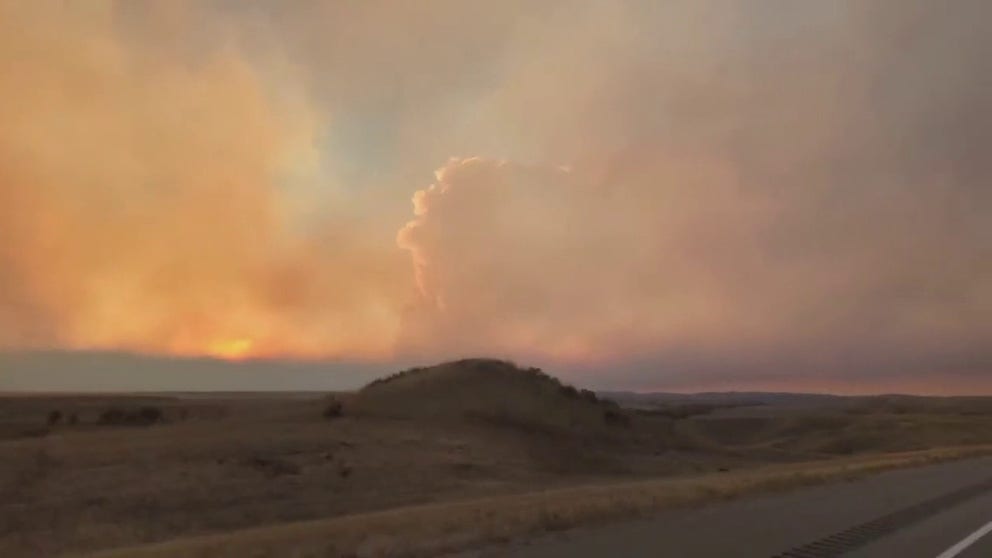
[
  {"x": 490, "y": 390},
  {"x": 82, "y": 473}
]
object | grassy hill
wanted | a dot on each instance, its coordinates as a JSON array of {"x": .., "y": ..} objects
[{"x": 489, "y": 390}]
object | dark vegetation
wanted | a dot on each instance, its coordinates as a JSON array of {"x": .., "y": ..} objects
[
  {"x": 57, "y": 417},
  {"x": 142, "y": 416},
  {"x": 394, "y": 376},
  {"x": 334, "y": 409}
]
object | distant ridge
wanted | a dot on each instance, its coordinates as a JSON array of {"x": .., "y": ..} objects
[
  {"x": 103, "y": 372},
  {"x": 630, "y": 398}
]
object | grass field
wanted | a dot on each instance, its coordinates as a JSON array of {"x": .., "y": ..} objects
[
  {"x": 279, "y": 473},
  {"x": 434, "y": 529}
]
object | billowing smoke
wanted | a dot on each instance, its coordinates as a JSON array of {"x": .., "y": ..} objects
[
  {"x": 146, "y": 198},
  {"x": 796, "y": 193},
  {"x": 559, "y": 261},
  {"x": 669, "y": 194}
]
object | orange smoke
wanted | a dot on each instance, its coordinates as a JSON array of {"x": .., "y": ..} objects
[
  {"x": 144, "y": 204},
  {"x": 747, "y": 189}
]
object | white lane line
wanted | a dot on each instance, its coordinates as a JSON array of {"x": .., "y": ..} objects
[{"x": 968, "y": 541}]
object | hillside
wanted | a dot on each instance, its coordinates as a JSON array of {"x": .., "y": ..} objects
[
  {"x": 458, "y": 431},
  {"x": 490, "y": 390}
]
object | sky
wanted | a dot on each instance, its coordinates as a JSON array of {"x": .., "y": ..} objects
[{"x": 684, "y": 195}]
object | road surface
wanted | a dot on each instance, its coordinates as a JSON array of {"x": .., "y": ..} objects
[{"x": 938, "y": 511}]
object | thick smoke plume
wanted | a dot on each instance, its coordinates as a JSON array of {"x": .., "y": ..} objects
[
  {"x": 779, "y": 191},
  {"x": 659, "y": 194},
  {"x": 144, "y": 205}
]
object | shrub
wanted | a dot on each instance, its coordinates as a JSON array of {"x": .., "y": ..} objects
[
  {"x": 486, "y": 365},
  {"x": 54, "y": 417},
  {"x": 589, "y": 396},
  {"x": 334, "y": 409},
  {"x": 148, "y": 415},
  {"x": 112, "y": 416},
  {"x": 394, "y": 376},
  {"x": 145, "y": 416}
]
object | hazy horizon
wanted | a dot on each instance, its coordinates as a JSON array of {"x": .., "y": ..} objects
[
  {"x": 682, "y": 196},
  {"x": 118, "y": 372}
]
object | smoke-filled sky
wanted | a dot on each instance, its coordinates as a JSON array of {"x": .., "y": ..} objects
[{"x": 705, "y": 194}]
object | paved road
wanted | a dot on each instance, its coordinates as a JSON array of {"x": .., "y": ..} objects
[
  {"x": 982, "y": 547},
  {"x": 910, "y": 513}
]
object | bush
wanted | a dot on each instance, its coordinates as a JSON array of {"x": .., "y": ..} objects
[
  {"x": 334, "y": 409},
  {"x": 112, "y": 416},
  {"x": 148, "y": 415},
  {"x": 394, "y": 376},
  {"x": 54, "y": 417},
  {"x": 589, "y": 396},
  {"x": 145, "y": 416}
]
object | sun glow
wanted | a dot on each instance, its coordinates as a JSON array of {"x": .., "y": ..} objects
[{"x": 231, "y": 349}]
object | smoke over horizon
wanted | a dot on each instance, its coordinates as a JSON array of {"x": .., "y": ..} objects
[
  {"x": 144, "y": 202},
  {"x": 696, "y": 193}
]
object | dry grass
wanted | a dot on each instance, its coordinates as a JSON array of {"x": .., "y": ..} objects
[
  {"x": 492, "y": 390},
  {"x": 236, "y": 464},
  {"x": 431, "y": 529},
  {"x": 463, "y": 453}
]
